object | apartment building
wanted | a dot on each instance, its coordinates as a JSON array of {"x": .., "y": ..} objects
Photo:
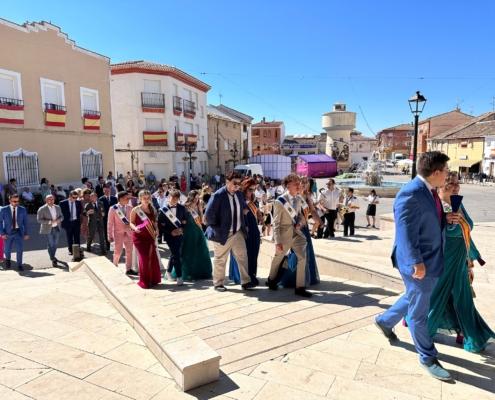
[{"x": 267, "y": 137}]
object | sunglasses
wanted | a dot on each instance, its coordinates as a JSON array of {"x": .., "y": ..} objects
[
  {"x": 74, "y": 198},
  {"x": 252, "y": 190},
  {"x": 236, "y": 183}
]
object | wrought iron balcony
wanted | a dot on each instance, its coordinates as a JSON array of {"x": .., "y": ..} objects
[
  {"x": 5, "y": 101},
  {"x": 189, "y": 107},
  {"x": 177, "y": 103},
  {"x": 91, "y": 112},
  {"x": 56, "y": 107},
  {"x": 153, "y": 100}
]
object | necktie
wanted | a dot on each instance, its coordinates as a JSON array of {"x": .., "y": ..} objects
[
  {"x": 72, "y": 211},
  {"x": 234, "y": 227},
  {"x": 108, "y": 200},
  {"x": 13, "y": 220},
  {"x": 438, "y": 204}
]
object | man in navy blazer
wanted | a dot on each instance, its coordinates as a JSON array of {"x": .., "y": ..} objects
[
  {"x": 420, "y": 225},
  {"x": 172, "y": 233},
  {"x": 14, "y": 228},
  {"x": 72, "y": 210},
  {"x": 108, "y": 201},
  {"x": 225, "y": 216}
]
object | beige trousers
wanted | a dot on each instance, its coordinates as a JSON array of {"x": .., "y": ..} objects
[
  {"x": 298, "y": 245},
  {"x": 237, "y": 244}
]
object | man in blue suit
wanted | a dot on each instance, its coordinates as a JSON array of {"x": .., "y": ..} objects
[
  {"x": 225, "y": 216},
  {"x": 420, "y": 225},
  {"x": 14, "y": 228},
  {"x": 108, "y": 201},
  {"x": 72, "y": 210},
  {"x": 172, "y": 232}
]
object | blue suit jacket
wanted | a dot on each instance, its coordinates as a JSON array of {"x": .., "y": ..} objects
[
  {"x": 6, "y": 220},
  {"x": 164, "y": 223},
  {"x": 106, "y": 204},
  {"x": 218, "y": 215},
  {"x": 64, "y": 206},
  {"x": 419, "y": 236}
]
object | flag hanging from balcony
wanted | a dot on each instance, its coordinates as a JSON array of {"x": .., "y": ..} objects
[
  {"x": 155, "y": 138},
  {"x": 192, "y": 139},
  {"x": 179, "y": 138},
  {"x": 11, "y": 114},
  {"x": 55, "y": 118},
  {"x": 91, "y": 122}
]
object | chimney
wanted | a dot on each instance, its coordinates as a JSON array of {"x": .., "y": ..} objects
[{"x": 264, "y": 120}]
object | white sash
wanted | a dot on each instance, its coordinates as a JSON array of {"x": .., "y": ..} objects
[
  {"x": 288, "y": 207},
  {"x": 194, "y": 213},
  {"x": 171, "y": 216},
  {"x": 141, "y": 214},
  {"x": 121, "y": 215}
]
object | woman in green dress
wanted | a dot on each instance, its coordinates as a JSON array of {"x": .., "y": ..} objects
[
  {"x": 452, "y": 306},
  {"x": 194, "y": 252}
]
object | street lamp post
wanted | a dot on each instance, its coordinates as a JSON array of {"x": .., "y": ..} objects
[
  {"x": 190, "y": 148},
  {"x": 234, "y": 152},
  {"x": 416, "y": 104}
]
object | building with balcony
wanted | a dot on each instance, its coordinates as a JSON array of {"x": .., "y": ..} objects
[
  {"x": 245, "y": 126},
  {"x": 159, "y": 114},
  {"x": 55, "y": 108},
  {"x": 469, "y": 145},
  {"x": 396, "y": 139},
  {"x": 267, "y": 137}
]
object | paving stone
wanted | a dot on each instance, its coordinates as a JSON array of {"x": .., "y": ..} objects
[
  {"x": 275, "y": 391},
  {"x": 345, "y": 389}
]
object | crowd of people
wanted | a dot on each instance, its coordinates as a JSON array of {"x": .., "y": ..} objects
[{"x": 137, "y": 217}]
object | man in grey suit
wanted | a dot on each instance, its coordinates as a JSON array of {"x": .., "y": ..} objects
[
  {"x": 50, "y": 216},
  {"x": 288, "y": 219},
  {"x": 95, "y": 212}
]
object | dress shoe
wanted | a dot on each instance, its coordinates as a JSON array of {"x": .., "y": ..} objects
[
  {"x": 54, "y": 264},
  {"x": 435, "y": 369},
  {"x": 272, "y": 285},
  {"x": 387, "y": 332},
  {"x": 103, "y": 253},
  {"x": 302, "y": 292},
  {"x": 20, "y": 268},
  {"x": 88, "y": 249},
  {"x": 131, "y": 272},
  {"x": 248, "y": 286},
  {"x": 70, "y": 253},
  {"x": 7, "y": 263},
  {"x": 180, "y": 281},
  {"x": 220, "y": 288}
]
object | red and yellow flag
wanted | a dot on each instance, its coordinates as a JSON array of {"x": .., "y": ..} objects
[
  {"x": 92, "y": 122},
  {"x": 155, "y": 138},
  {"x": 11, "y": 114},
  {"x": 192, "y": 139},
  {"x": 55, "y": 118}
]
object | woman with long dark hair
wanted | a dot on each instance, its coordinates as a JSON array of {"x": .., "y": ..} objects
[
  {"x": 194, "y": 252},
  {"x": 253, "y": 240},
  {"x": 145, "y": 230}
]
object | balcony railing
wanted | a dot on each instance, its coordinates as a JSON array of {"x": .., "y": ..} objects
[
  {"x": 153, "y": 100},
  {"x": 51, "y": 106},
  {"x": 91, "y": 112},
  {"x": 189, "y": 107},
  {"x": 5, "y": 101},
  {"x": 177, "y": 103}
]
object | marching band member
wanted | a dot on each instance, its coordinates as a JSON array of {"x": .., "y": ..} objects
[
  {"x": 352, "y": 204},
  {"x": 172, "y": 220},
  {"x": 119, "y": 230}
]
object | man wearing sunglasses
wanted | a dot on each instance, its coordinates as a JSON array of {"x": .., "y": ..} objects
[
  {"x": 14, "y": 229},
  {"x": 225, "y": 216},
  {"x": 72, "y": 210},
  {"x": 330, "y": 198}
]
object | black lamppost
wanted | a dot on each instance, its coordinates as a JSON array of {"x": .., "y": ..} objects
[
  {"x": 234, "y": 152},
  {"x": 190, "y": 148},
  {"x": 416, "y": 104}
]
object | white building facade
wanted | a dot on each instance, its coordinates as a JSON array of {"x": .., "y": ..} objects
[
  {"x": 488, "y": 163},
  {"x": 158, "y": 110}
]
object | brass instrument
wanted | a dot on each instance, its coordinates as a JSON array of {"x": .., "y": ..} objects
[{"x": 345, "y": 209}]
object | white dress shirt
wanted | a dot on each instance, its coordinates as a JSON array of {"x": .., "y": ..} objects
[
  {"x": 258, "y": 194},
  {"x": 272, "y": 191},
  {"x": 53, "y": 212},
  {"x": 174, "y": 209},
  {"x": 161, "y": 201},
  {"x": 350, "y": 200},
  {"x": 27, "y": 196},
  {"x": 16, "y": 216},
  {"x": 430, "y": 188},
  {"x": 330, "y": 198},
  {"x": 232, "y": 199}
]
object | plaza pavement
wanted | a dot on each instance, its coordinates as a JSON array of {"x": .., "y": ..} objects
[{"x": 60, "y": 338}]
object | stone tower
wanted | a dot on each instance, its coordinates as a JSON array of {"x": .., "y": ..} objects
[{"x": 338, "y": 124}]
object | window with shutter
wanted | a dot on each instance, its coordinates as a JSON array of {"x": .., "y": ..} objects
[
  {"x": 152, "y": 86},
  {"x": 51, "y": 94},
  {"x": 154, "y": 125},
  {"x": 89, "y": 102},
  {"x": 7, "y": 87}
]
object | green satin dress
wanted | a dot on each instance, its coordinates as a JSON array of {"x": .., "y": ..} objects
[{"x": 452, "y": 305}]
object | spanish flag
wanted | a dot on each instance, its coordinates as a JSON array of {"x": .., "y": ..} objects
[
  {"x": 11, "y": 114},
  {"x": 192, "y": 139},
  {"x": 92, "y": 122},
  {"x": 55, "y": 118},
  {"x": 179, "y": 138},
  {"x": 155, "y": 138}
]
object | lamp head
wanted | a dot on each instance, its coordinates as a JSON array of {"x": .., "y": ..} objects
[{"x": 417, "y": 103}]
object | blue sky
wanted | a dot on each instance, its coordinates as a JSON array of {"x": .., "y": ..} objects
[{"x": 291, "y": 60}]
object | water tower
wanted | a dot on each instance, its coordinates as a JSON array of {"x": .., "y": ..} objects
[{"x": 338, "y": 124}]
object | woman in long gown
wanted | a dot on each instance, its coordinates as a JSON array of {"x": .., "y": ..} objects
[
  {"x": 143, "y": 239},
  {"x": 194, "y": 252},
  {"x": 183, "y": 183},
  {"x": 312, "y": 276},
  {"x": 84, "y": 219},
  {"x": 253, "y": 240},
  {"x": 452, "y": 306}
]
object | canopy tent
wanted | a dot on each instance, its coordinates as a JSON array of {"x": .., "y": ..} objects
[
  {"x": 316, "y": 165},
  {"x": 463, "y": 163}
]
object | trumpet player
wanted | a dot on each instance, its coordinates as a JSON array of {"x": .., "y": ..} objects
[{"x": 350, "y": 205}]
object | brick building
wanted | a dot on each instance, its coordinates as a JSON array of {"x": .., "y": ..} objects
[
  {"x": 396, "y": 139},
  {"x": 267, "y": 137}
]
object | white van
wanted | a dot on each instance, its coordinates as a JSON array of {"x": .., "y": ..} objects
[{"x": 249, "y": 169}]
